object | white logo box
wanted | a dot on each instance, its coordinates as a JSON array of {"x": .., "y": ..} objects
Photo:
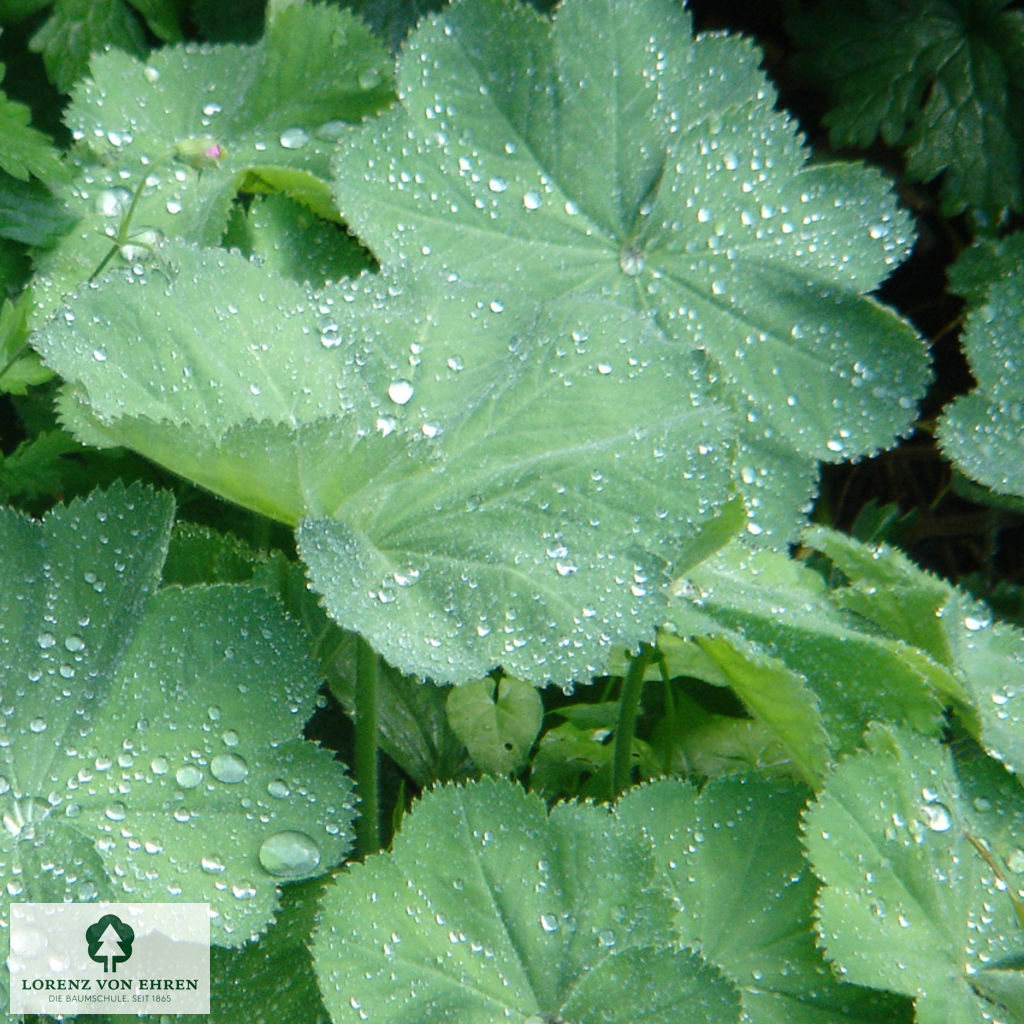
[{"x": 77, "y": 958}]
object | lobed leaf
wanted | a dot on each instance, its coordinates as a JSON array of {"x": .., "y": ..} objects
[
  {"x": 696, "y": 208},
  {"x": 955, "y": 76},
  {"x": 731, "y": 859},
  {"x": 981, "y": 432},
  {"x": 195, "y": 125},
  {"x": 474, "y": 518},
  {"x": 488, "y": 907},
  {"x": 910, "y": 903},
  {"x": 152, "y": 739}
]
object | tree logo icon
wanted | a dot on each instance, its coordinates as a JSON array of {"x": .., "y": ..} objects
[{"x": 110, "y": 942}]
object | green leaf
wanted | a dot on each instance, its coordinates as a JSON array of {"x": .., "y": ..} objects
[
  {"x": 834, "y": 669},
  {"x": 909, "y": 903},
  {"x": 411, "y": 717},
  {"x": 470, "y": 517},
  {"x": 984, "y": 660},
  {"x": 488, "y": 907},
  {"x": 76, "y": 29},
  {"x": 777, "y": 696},
  {"x": 26, "y": 151},
  {"x": 981, "y": 431},
  {"x": 271, "y": 979},
  {"x": 732, "y": 861},
  {"x": 955, "y": 83},
  {"x": 271, "y": 112},
  {"x": 153, "y": 747},
  {"x": 20, "y": 367},
  {"x": 29, "y": 213},
  {"x": 498, "y": 728},
  {"x": 692, "y": 205},
  {"x": 293, "y": 242}
]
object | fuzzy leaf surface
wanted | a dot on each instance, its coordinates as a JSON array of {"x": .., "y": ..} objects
[
  {"x": 153, "y": 745},
  {"x": 909, "y": 904},
  {"x": 732, "y": 860},
  {"x": 521, "y": 505},
  {"x": 488, "y": 907},
  {"x": 695, "y": 206}
]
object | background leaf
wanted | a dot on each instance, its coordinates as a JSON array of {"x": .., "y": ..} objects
[
  {"x": 732, "y": 860},
  {"x": 497, "y": 721},
  {"x": 955, "y": 72},
  {"x": 981, "y": 431}
]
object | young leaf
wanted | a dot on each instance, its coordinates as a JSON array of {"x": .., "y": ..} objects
[
  {"x": 498, "y": 722},
  {"x": 981, "y": 431},
  {"x": 731, "y": 858},
  {"x": 152, "y": 739},
  {"x": 955, "y": 81},
  {"x": 193, "y": 127},
  {"x": 475, "y": 518},
  {"x": 909, "y": 902},
  {"x": 510, "y": 160},
  {"x": 488, "y": 907}
]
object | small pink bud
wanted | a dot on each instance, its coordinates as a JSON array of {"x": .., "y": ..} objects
[{"x": 200, "y": 153}]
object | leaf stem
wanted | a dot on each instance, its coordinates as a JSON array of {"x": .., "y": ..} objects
[
  {"x": 629, "y": 705},
  {"x": 365, "y": 757}
]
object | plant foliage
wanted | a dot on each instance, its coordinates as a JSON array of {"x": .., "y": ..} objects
[
  {"x": 349, "y": 398},
  {"x": 954, "y": 71}
]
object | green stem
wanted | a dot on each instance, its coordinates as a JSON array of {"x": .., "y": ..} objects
[
  {"x": 368, "y": 823},
  {"x": 629, "y": 706},
  {"x": 670, "y": 712}
]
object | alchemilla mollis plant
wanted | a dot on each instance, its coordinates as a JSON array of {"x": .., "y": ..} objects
[{"x": 460, "y": 412}]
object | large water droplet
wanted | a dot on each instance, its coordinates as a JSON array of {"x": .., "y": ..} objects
[
  {"x": 294, "y": 138},
  {"x": 289, "y": 854},
  {"x": 400, "y": 391},
  {"x": 632, "y": 261},
  {"x": 188, "y": 776},
  {"x": 936, "y": 816},
  {"x": 229, "y": 768}
]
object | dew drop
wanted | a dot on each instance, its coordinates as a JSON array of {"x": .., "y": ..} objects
[
  {"x": 229, "y": 768},
  {"x": 188, "y": 776},
  {"x": 936, "y": 816},
  {"x": 293, "y": 138},
  {"x": 212, "y": 864},
  {"x": 632, "y": 261},
  {"x": 116, "y": 811},
  {"x": 549, "y": 922},
  {"x": 400, "y": 391},
  {"x": 369, "y": 78},
  {"x": 289, "y": 854}
]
